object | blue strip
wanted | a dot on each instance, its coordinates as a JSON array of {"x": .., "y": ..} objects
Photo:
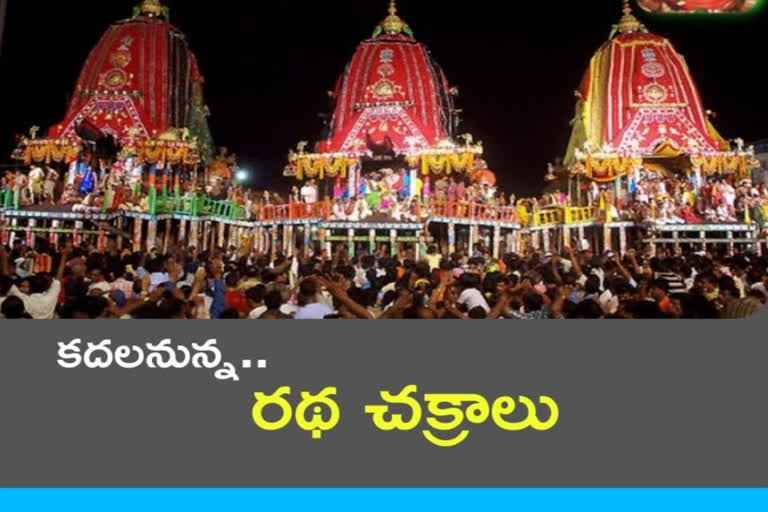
[{"x": 593, "y": 500}]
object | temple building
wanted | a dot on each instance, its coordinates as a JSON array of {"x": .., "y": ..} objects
[
  {"x": 141, "y": 86},
  {"x": 392, "y": 102},
  {"x": 638, "y": 102}
]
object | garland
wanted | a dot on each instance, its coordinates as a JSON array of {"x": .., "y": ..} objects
[
  {"x": 161, "y": 153},
  {"x": 447, "y": 164},
  {"x": 324, "y": 166},
  {"x": 610, "y": 169},
  {"x": 722, "y": 164},
  {"x": 50, "y": 151}
]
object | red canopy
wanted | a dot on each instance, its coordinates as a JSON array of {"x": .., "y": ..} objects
[
  {"x": 638, "y": 95},
  {"x": 394, "y": 92},
  {"x": 139, "y": 81}
]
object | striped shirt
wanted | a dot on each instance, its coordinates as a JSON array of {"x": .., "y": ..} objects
[{"x": 675, "y": 282}]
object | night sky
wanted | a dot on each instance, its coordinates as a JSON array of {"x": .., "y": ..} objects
[{"x": 268, "y": 66}]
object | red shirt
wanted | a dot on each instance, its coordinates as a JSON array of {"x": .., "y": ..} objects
[
  {"x": 666, "y": 306},
  {"x": 238, "y": 301}
]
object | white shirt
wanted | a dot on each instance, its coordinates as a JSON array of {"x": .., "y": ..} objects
[
  {"x": 156, "y": 279},
  {"x": 316, "y": 311},
  {"x": 309, "y": 194},
  {"x": 256, "y": 313},
  {"x": 40, "y": 306},
  {"x": 472, "y": 299},
  {"x": 361, "y": 277},
  {"x": 760, "y": 287},
  {"x": 609, "y": 303}
]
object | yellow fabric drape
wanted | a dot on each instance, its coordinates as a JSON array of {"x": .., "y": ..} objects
[
  {"x": 325, "y": 166},
  {"x": 51, "y": 151},
  {"x": 609, "y": 169},
  {"x": 447, "y": 164}
]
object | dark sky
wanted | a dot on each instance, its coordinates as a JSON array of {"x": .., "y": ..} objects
[{"x": 268, "y": 66}]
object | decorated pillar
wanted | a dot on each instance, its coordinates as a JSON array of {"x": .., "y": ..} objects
[
  {"x": 417, "y": 252},
  {"x": 536, "y": 240},
  {"x": 451, "y": 238},
  {"x": 546, "y": 240},
  {"x": 30, "y": 234},
  {"x": 393, "y": 242},
  {"x": 471, "y": 247},
  {"x": 308, "y": 240},
  {"x": 703, "y": 236},
  {"x": 290, "y": 240},
  {"x": 230, "y": 236},
  {"x": 325, "y": 242},
  {"x": 4, "y": 233},
  {"x": 206, "y": 234},
  {"x": 274, "y": 240},
  {"x": 167, "y": 235},
  {"x": 182, "y": 230},
  {"x": 256, "y": 239},
  {"x": 351, "y": 243},
  {"x": 517, "y": 245},
  {"x": 372, "y": 241},
  {"x": 652, "y": 242},
  {"x": 731, "y": 244},
  {"x": 120, "y": 233},
  {"x": 151, "y": 234},
  {"x": 194, "y": 234},
  {"x": 566, "y": 236},
  {"x": 607, "y": 238},
  {"x": 53, "y": 235},
  {"x": 77, "y": 237},
  {"x": 101, "y": 242},
  {"x": 676, "y": 238},
  {"x": 260, "y": 242},
  {"x": 496, "y": 242},
  {"x": 221, "y": 239},
  {"x": 12, "y": 236},
  {"x": 623, "y": 240}
]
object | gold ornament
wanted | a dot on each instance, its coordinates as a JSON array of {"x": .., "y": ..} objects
[
  {"x": 629, "y": 24},
  {"x": 393, "y": 24},
  {"x": 153, "y": 8}
]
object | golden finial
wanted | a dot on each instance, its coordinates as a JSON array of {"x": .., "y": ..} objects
[
  {"x": 151, "y": 8},
  {"x": 629, "y": 24},
  {"x": 393, "y": 24}
]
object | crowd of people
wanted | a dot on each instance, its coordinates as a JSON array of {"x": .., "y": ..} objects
[
  {"x": 82, "y": 283},
  {"x": 646, "y": 196},
  {"x": 651, "y": 198}
]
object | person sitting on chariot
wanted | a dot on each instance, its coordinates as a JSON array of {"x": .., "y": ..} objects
[
  {"x": 724, "y": 213},
  {"x": 338, "y": 188},
  {"x": 338, "y": 211}
]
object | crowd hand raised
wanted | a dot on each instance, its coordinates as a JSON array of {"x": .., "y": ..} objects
[
  {"x": 200, "y": 274},
  {"x": 217, "y": 269},
  {"x": 333, "y": 288},
  {"x": 174, "y": 271},
  {"x": 404, "y": 301}
]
